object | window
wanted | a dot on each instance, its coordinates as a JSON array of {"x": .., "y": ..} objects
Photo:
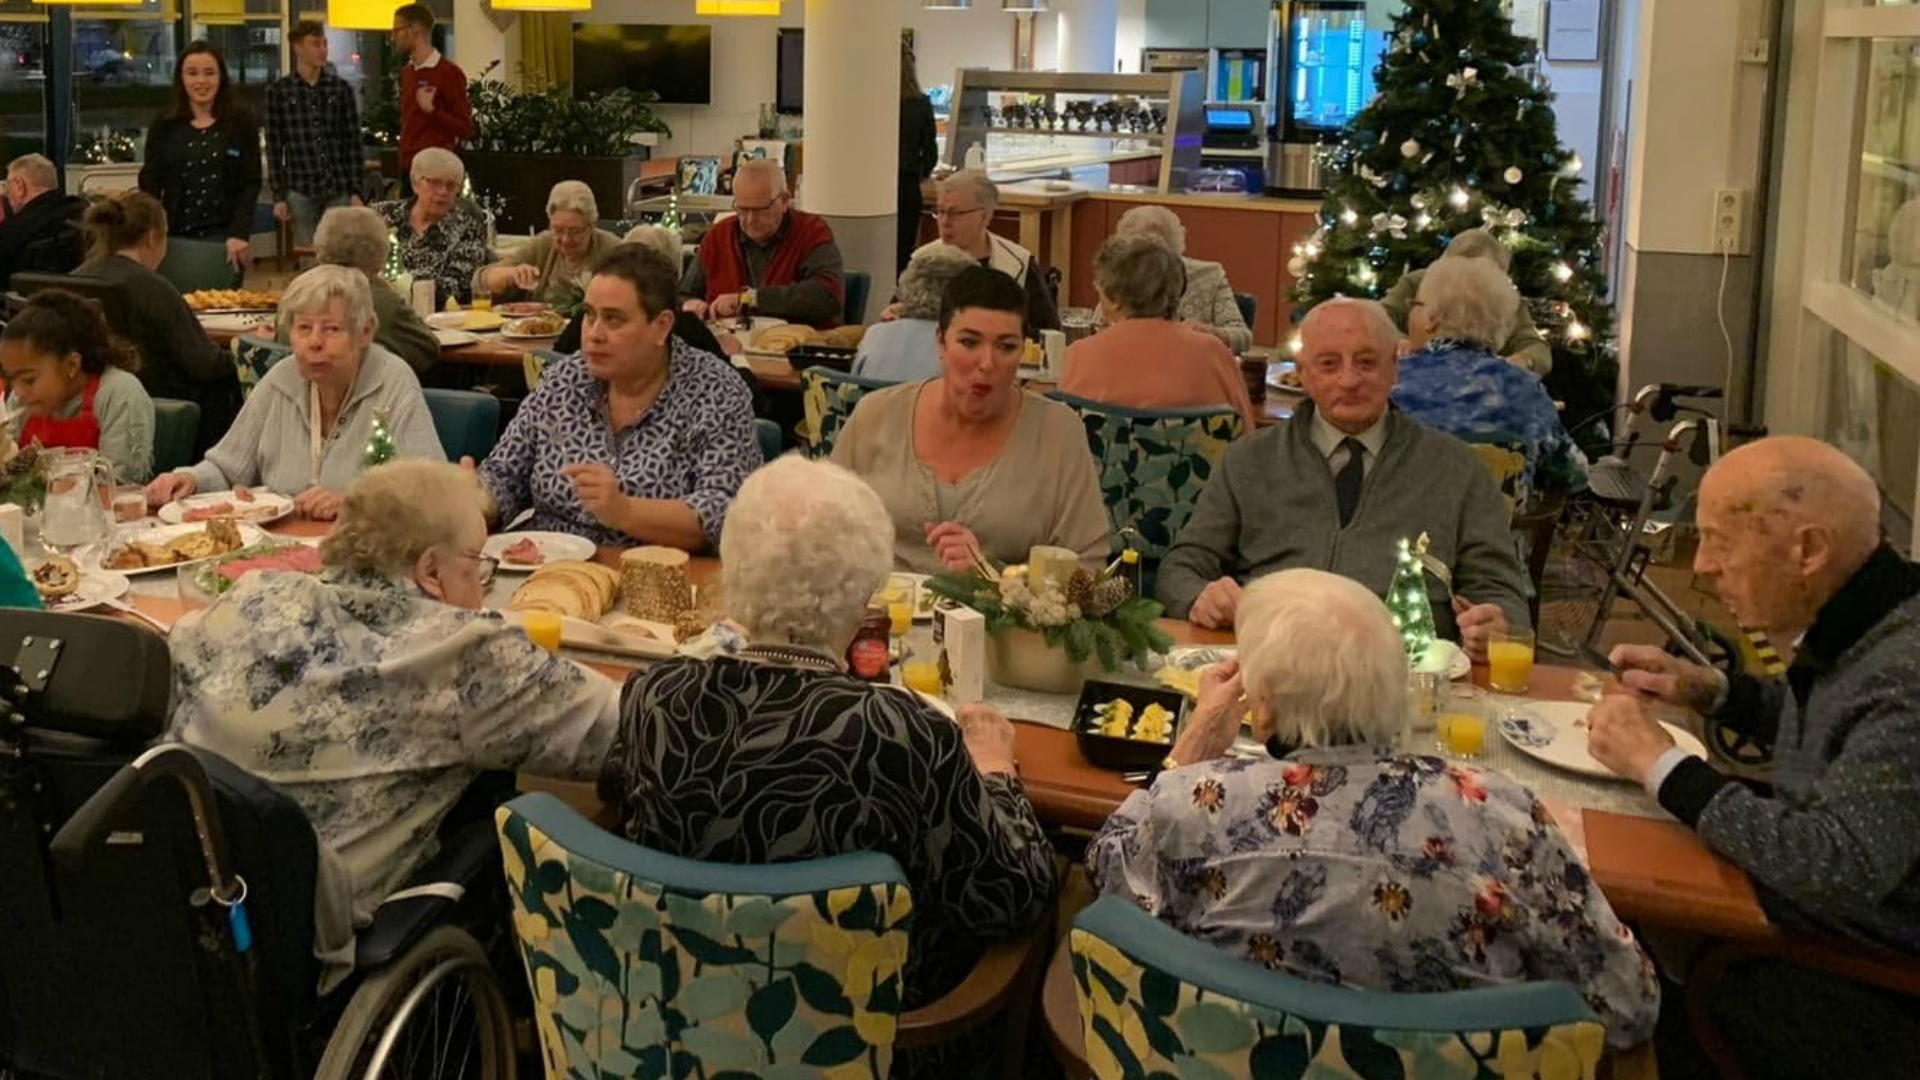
[
  {"x": 23, "y": 79},
  {"x": 123, "y": 61},
  {"x": 247, "y": 33},
  {"x": 1870, "y": 411}
]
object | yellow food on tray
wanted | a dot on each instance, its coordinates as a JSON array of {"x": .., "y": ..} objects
[
  {"x": 225, "y": 299},
  {"x": 841, "y": 337},
  {"x": 1031, "y": 355},
  {"x": 220, "y": 536},
  {"x": 548, "y": 324}
]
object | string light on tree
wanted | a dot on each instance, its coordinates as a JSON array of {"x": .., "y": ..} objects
[
  {"x": 1347, "y": 216},
  {"x": 1562, "y": 272},
  {"x": 380, "y": 446},
  {"x": 1458, "y": 198},
  {"x": 1407, "y": 599},
  {"x": 1576, "y": 332},
  {"x": 1573, "y": 165}
]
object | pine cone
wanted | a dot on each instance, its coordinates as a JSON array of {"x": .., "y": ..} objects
[
  {"x": 1106, "y": 597},
  {"x": 22, "y": 463},
  {"x": 1080, "y": 588}
]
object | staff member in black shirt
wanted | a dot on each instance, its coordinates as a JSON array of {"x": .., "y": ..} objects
[{"x": 203, "y": 159}]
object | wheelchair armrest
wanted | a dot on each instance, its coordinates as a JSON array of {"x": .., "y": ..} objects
[
  {"x": 1001, "y": 978},
  {"x": 465, "y": 862}
]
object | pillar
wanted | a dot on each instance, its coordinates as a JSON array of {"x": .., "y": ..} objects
[
  {"x": 852, "y": 143},
  {"x": 1089, "y": 32},
  {"x": 478, "y": 41}
]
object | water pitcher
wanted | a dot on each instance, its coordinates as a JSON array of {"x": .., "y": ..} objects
[{"x": 79, "y": 494}]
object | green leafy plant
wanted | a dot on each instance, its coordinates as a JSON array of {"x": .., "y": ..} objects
[
  {"x": 1126, "y": 631},
  {"x": 550, "y": 120}
]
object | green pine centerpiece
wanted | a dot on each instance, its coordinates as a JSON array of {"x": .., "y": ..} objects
[
  {"x": 380, "y": 446},
  {"x": 1082, "y": 613},
  {"x": 1408, "y": 602}
]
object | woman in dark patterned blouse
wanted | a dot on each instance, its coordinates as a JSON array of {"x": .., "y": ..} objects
[{"x": 775, "y": 755}]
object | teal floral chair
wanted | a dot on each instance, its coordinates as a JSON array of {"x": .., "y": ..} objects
[
  {"x": 652, "y": 966},
  {"x": 1154, "y": 1002},
  {"x": 252, "y": 357},
  {"x": 828, "y": 398},
  {"x": 1154, "y": 463}
]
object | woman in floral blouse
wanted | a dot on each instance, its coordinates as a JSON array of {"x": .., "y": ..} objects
[
  {"x": 1346, "y": 861},
  {"x": 442, "y": 237},
  {"x": 775, "y": 754},
  {"x": 639, "y": 437}
]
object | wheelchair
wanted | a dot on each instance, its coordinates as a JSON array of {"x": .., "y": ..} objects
[{"x": 158, "y": 907}]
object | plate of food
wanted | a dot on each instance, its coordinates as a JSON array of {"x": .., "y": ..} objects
[
  {"x": 1556, "y": 732},
  {"x": 532, "y": 327},
  {"x": 469, "y": 321},
  {"x": 215, "y": 576},
  {"x": 450, "y": 339},
  {"x": 164, "y": 547},
  {"x": 525, "y": 552},
  {"x": 64, "y": 586},
  {"x": 234, "y": 323},
  {"x": 520, "y": 309},
  {"x": 1284, "y": 376},
  {"x": 258, "y": 506},
  {"x": 780, "y": 340},
  {"x": 212, "y": 300}
]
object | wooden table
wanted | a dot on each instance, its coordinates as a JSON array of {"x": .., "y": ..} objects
[{"x": 488, "y": 351}]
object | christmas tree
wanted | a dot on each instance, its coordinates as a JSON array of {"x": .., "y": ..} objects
[
  {"x": 380, "y": 448},
  {"x": 1407, "y": 600},
  {"x": 1461, "y": 134},
  {"x": 396, "y": 267}
]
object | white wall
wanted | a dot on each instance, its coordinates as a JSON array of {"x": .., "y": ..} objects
[
  {"x": 1131, "y": 35},
  {"x": 743, "y": 58}
]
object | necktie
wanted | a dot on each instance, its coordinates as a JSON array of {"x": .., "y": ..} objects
[{"x": 1346, "y": 482}]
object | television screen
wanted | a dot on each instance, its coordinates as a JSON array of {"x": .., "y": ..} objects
[
  {"x": 790, "y": 71},
  {"x": 1333, "y": 58},
  {"x": 675, "y": 62}
]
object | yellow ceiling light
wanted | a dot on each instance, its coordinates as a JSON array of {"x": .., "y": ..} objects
[
  {"x": 736, "y": 7},
  {"x": 361, "y": 14},
  {"x": 220, "y": 12},
  {"x": 89, "y": 3},
  {"x": 543, "y": 5}
]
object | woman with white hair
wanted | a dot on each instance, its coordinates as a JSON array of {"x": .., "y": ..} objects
[
  {"x": 1455, "y": 382},
  {"x": 1207, "y": 300},
  {"x": 1347, "y": 861},
  {"x": 1523, "y": 346},
  {"x": 818, "y": 763},
  {"x": 554, "y": 266},
  {"x": 906, "y": 347},
  {"x": 374, "y": 693},
  {"x": 356, "y": 237},
  {"x": 304, "y": 429},
  {"x": 443, "y": 237},
  {"x": 1143, "y": 358}
]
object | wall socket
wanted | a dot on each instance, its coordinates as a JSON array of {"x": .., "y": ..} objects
[{"x": 1730, "y": 226}]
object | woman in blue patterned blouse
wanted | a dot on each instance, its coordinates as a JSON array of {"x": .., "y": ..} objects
[
  {"x": 638, "y": 438},
  {"x": 1347, "y": 861}
]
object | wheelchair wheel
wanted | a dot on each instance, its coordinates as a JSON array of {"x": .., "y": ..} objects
[{"x": 437, "y": 1012}]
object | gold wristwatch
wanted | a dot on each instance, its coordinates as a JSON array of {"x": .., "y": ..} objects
[{"x": 749, "y": 298}]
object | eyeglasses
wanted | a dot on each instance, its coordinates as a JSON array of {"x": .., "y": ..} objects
[
  {"x": 742, "y": 208},
  {"x": 569, "y": 234},
  {"x": 939, "y": 214},
  {"x": 437, "y": 183},
  {"x": 486, "y": 566}
]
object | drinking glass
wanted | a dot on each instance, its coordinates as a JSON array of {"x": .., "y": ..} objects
[
  {"x": 1461, "y": 730},
  {"x": 922, "y": 676},
  {"x": 1510, "y": 661},
  {"x": 543, "y": 628},
  {"x": 129, "y": 504}
]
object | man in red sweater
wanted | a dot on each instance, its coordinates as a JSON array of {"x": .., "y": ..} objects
[
  {"x": 434, "y": 110},
  {"x": 768, "y": 257}
]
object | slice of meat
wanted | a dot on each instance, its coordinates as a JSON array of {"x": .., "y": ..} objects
[
  {"x": 298, "y": 558},
  {"x": 523, "y": 553},
  {"x": 241, "y": 494},
  {"x": 208, "y": 512}
]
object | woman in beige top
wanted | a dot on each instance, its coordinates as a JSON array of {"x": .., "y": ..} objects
[
  {"x": 968, "y": 462},
  {"x": 553, "y": 267}
]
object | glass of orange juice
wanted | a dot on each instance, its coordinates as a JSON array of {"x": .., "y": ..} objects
[
  {"x": 1510, "y": 661},
  {"x": 543, "y": 627},
  {"x": 922, "y": 676},
  {"x": 1462, "y": 727},
  {"x": 482, "y": 300}
]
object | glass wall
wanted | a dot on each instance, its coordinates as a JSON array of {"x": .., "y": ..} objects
[
  {"x": 23, "y": 79},
  {"x": 247, "y": 33},
  {"x": 123, "y": 59}
]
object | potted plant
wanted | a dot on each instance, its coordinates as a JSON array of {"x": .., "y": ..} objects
[
  {"x": 528, "y": 140},
  {"x": 1053, "y": 625}
]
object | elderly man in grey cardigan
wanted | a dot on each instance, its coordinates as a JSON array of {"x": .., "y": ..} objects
[
  {"x": 1790, "y": 538},
  {"x": 1337, "y": 486},
  {"x": 304, "y": 430}
]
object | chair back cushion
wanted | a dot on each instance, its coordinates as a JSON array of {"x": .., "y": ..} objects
[
  {"x": 768, "y": 433},
  {"x": 534, "y": 362},
  {"x": 192, "y": 265},
  {"x": 1505, "y": 459},
  {"x": 828, "y": 397},
  {"x": 467, "y": 421},
  {"x": 653, "y": 966},
  {"x": 253, "y": 356},
  {"x": 175, "y": 425},
  {"x": 1154, "y": 1002},
  {"x": 859, "y": 284},
  {"x": 1154, "y": 464}
]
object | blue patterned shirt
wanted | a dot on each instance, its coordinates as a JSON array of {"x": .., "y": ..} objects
[
  {"x": 1359, "y": 867},
  {"x": 695, "y": 443},
  {"x": 1471, "y": 394}
]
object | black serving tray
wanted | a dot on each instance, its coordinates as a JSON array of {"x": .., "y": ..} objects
[{"x": 1124, "y": 754}]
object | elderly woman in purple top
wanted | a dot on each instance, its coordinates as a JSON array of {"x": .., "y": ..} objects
[{"x": 638, "y": 438}]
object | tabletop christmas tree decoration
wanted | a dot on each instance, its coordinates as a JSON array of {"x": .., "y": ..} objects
[
  {"x": 380, "y": 448},
  {"x": 1461, "y": 135},
  {"x": 1408, "y": 602}
]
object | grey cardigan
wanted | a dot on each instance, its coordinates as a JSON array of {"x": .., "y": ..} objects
[
  {"x": 1270, "y": 506},
  {"x": 269, "y": 444}
]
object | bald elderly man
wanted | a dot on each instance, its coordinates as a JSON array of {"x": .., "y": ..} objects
[
  {"x": 1339, "y": 485},
  {"x": 1790, "y": 537}
]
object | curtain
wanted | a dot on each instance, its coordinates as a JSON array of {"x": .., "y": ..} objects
[{"x": 546, "y": 49}]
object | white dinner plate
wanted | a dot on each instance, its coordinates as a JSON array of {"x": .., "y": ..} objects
[
  {"x": 554, "y": 547},
  {"x": 91, "y": 559},
  {"x": 1444, "y": 655},
  {"x": 234, "y": 322},
  {"x": 450, "y": 338},
  {"x": 265, "y": 508},
  {"x": 96, "y": 588},
  {"x": 746, "y": 336},
  {"x": 1195, "y": 657},
  {"x": 1556, "y": 732},
  {"x": 1283, "y": 367}
]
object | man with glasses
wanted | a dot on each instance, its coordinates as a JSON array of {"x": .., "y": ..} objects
[
  {"x": 964, "y": 213},
  {"x": 434, "y": 110},
  {"x": 314, "y": 161},
  {"x": 768, "y": 257}
]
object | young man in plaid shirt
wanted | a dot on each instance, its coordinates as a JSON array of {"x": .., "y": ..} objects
[{"x": 314, "y": 160}]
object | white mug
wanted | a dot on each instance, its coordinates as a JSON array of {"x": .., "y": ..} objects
[{"x": 1054, "y": 344}]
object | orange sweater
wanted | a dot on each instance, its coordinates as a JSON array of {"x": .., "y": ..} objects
[{"x": 1156, "y": 364}]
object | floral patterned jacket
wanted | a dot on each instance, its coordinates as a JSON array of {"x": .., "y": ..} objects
[
  {"x": 1360, "y": 867},
  {"x": 1471, "y": 394}
]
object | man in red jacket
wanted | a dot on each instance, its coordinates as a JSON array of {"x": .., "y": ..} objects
[
  {"x": 434, "y": 110},
  {"x": 769, "y": 257}
]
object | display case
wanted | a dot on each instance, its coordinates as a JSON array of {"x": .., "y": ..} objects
[
  {"x": 1047, "y": 124},
  {"x": 1327, "y": 58}
]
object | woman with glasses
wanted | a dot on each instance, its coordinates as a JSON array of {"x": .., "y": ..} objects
[
  {"x": 767, "y": 258},
  {"x": 443, "y": 237},
  {"x": 304, "y": 429},
  {"x": 554, "y": 266},
  {"x": 964, "y": 213},
  {"x": 374, "y": 692}
]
